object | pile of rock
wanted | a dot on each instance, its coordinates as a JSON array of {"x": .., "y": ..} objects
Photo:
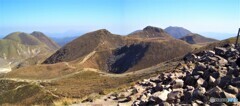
[{"x": 204, "y": 75}]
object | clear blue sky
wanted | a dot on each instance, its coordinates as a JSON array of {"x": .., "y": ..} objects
[{"x": 118, "y": 16}]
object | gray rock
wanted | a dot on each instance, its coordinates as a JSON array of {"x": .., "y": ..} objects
[
  {"x": 190, "y": 80},
  {"x": 215, "y": 75},
  {"x": 178, "y": 83},
  {"x": 231, "y": 89},
  {"x": 199, "y": 93},
  {"x": 155, "y": 80},
  {"x": 159, "y": 87},
  {"x": 160, "y": 96},
  {"x": 227, "y": 95},
  {"x": 210, "y": 53},
  {"x": 211, "y": 81},
  {"x": 174, "y": 95},
  {"x": 123, "y": 100},
  {"x": 214, "y": 92},
  {"x": 187, "y": 98},
  {"x": 200, "y": 81},
  {"x": 190, "y": 57},
  {"x": 224, "y": 81},
  {"x": 232, "y": 71},
  {"x": 200, "y": 67},
  {"x": 143, "y": 99},
  {"x": 220, "y": 51},
  {"x": 236, "y": 82},
  {"x": 222, "y": 61}
]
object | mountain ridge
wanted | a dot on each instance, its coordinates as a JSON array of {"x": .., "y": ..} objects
[{"x": 194, "y": 38}]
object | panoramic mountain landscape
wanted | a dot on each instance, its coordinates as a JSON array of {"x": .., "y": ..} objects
[{"x": 119, "y": 53}]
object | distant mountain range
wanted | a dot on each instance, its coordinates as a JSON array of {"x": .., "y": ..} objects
[
  {"x": 62, "y": 41},
  {"x": 187, "y": 36},
  {"x": 177, "y": 32},
  {"x": 150, "y": 32}
]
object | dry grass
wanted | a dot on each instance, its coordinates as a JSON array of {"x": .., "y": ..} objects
[
  {"x": 88, "y": 82},
  {"x": 45, "y": 71},
  {"x": 23, "y": 94}
]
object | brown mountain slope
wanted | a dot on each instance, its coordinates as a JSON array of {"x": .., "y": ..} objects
[
  {"x": 43, "y": 38},
  {"x": 137, "y": 56},
  {"x": 87, "y": 43},
  {"x": 196, "y": 39},
  {"x": 150, "y": 32},
  {"x": 23, "y": 38}
]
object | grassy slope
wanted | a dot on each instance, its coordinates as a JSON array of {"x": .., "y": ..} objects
[
  {"x": 23, "y": 38},
  {"x": 219, "y": 43},
  {"x": 23, "y": 94}
]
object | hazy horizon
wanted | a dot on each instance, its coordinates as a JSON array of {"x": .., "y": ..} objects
[{"x": 119, "y": 16}]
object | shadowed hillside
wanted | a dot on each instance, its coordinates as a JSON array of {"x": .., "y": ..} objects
[
  {"x": 126, "y": 57},
  {"x": 196, "y": 38}
]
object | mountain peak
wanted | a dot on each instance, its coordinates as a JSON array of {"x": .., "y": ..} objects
[
  {"x": 43, "y": 38},
  {"x": 152, "y": 28},
  {"x": 103, "y": 31},
  {"x": 150, "y": 32},
  {"x": 177, "y": 32},
  {"x": 23, "y": 38},
  {"x": 37, "y": 33}
]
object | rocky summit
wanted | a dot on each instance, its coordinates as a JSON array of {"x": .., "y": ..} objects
[{"x": 198, "y": 80}]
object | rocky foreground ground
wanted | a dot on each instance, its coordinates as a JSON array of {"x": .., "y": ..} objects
[{"x": 202, "y": 79}]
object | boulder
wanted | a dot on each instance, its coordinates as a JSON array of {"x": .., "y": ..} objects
[
  {"x": 174, "y": 95},
  {"x": 210, "y": 53},
  {"x": 159, "y": 87},
  {"x": 200, "y": 67},
  {"x": 224, "y": 81},
  {"x": 190, "y": 80},
  {"x": 232, "y": 71},
  {"x": 190, "y": 57},
  {"x": 123, "y": 100},
  {"x": 227, "y": 95},
  {"x": 231, "y": 89},
  {"x": 187, "y": 98},
  {"x": 220, "y": 51},
  {"x": 200, "y": 81},
  {"x": 199, "y": 93},
  {"x": 178, "y": 83},
  {"x": 238, "y": 62},
  {"x": 155, "y": 80},
  {"x": 222, "y": 61},
  {"x": 160, "y": 96},
  {"x": 214, "y": 92},
  {"x": 236, "y": 82}
]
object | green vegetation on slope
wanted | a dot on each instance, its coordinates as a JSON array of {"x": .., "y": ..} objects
[
  {"x": 23, "y": 38},
  {"x": 22, "y": 93}
]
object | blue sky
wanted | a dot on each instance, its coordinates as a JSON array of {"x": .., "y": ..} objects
[{"x": 118, "y": 16}]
